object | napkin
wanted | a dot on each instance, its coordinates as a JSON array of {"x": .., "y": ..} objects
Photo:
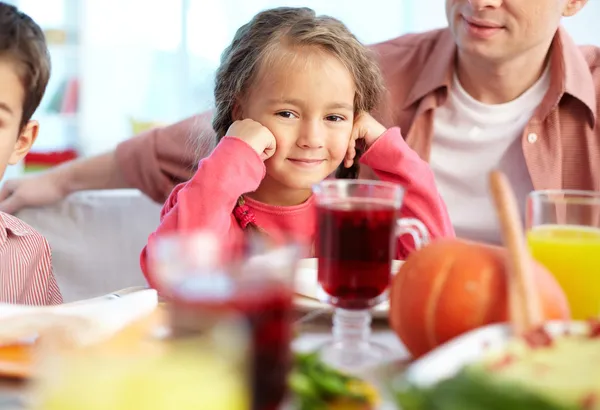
[
  {"x": 86, "y": 322},
  {"x": 306, "y": 284}
]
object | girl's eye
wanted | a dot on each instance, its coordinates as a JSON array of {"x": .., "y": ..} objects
[
  {"x": 286, "y": 114},
  {"x": 334, "y": 118}
]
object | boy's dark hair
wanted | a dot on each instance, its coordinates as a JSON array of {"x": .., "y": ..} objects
[{"x": 23, "y": 42}]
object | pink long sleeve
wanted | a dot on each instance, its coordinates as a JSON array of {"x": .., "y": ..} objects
[
  {"x": 207, "y": 200},
  {"x": 393, "y": 161}
]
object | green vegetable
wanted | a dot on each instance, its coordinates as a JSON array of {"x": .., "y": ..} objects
[
  {"x": 302, "y": 385},
  {"x": 473, "y": 390},
  {"x": 316, "y": 385}
]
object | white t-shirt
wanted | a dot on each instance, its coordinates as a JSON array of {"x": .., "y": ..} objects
[{"x": 470, "y": 140}]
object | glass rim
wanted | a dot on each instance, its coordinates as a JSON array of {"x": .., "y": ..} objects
[
  {"x": 570, "y": 195},
  {"x": 368, "y": 182}
]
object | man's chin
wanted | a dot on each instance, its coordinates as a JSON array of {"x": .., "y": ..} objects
[{"x": 490, "y": 51}]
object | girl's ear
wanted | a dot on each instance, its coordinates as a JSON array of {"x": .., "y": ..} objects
[
  {"x": 353, "y": 172},
  {"x": 237, "y": 113}
]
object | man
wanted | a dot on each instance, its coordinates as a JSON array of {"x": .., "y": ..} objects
[{"x": 504, "y": 86}]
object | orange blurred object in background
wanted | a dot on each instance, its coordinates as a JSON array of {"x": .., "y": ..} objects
[{"x": 451, "y": 287}]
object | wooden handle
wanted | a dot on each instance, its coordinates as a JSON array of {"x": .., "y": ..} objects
[{"x": 524, "y": 306}]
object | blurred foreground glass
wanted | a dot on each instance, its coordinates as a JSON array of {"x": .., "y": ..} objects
[
  {"x": 259, "y": 288},
  {"x": 563, "y": 233},
  {"x": 208, "y": 371},
  {"x": 357, "y": 229}
]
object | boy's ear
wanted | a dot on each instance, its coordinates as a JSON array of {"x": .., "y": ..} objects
[{"x": 24, "y": 142}]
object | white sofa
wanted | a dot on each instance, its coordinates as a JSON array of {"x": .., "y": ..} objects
[{"x": 96, "y": 239}]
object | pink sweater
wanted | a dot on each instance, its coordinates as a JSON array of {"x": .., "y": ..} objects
[{"x": 207, "y": 200}]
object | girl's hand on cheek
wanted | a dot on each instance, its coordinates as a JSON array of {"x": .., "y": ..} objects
[
  {"x": 365, "y": 128},
  {"x": 256, "y": 135}
]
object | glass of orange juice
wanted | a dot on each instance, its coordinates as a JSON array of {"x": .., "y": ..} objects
[{"x": 563, "y": 233}]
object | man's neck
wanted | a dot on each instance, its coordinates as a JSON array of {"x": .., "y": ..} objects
[{"x": 498, "y": 83}]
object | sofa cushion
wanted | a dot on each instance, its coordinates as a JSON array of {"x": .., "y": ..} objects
[{"x": 96, "y": 238}]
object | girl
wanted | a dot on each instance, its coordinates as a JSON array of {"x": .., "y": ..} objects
[{"x": 292, "y": 97}]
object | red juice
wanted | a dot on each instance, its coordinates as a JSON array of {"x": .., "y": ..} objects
[
  {"x": 355, "y": 245},
  {"x": 266, "y": 307}
]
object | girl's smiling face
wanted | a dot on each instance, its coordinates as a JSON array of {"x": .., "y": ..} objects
[{"x": 305, "y": 97}]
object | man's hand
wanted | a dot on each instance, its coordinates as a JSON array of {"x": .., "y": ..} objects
[{"x": 32, "y": 191}]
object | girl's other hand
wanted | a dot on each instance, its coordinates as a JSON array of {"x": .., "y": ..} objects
[
  {"x": 365, "y": 127},
  {"x": 256, "y": 135}
]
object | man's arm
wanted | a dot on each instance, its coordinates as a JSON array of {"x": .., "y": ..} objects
[
  {"x": 154, "y": 162},
  {"x": 49, "y": 187},
  {"x": 98, "y": 172}
]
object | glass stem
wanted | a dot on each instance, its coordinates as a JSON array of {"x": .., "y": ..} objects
[{"x": 352, "y": 328}]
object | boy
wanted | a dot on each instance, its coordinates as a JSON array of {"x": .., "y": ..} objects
[{"x": 26, "y": 275}]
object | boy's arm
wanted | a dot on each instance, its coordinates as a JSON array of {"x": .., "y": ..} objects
[
  {"x": 45, "y": 276},
  {"x": 26, "y": 274},
  {"x": 392, "y": 160},
  {"x": 40, "y": 288}
]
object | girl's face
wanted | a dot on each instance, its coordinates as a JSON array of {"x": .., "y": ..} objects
[{"x": 305, "y": 97}]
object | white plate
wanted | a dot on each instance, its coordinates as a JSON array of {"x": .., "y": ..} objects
[
  {"x": 307, "y": 285},
  {"x": 448, "y": 359}
]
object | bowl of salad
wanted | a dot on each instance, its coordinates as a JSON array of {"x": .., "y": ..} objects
[{"x": 553, "y": 367}]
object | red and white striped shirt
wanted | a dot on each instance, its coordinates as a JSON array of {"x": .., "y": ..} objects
[{"x": 26, "y": 275}]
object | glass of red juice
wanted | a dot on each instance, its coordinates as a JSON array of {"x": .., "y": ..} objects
[
  {"x": 358, "y": 226},
  {"x": 257, "y": 289}
]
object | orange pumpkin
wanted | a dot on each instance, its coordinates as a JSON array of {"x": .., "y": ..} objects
[{"x": 451, "y": 287}]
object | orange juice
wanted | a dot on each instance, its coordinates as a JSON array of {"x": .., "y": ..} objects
[{"x": 572, "y": 254}]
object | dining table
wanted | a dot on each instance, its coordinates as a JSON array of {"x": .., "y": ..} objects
[{"x": 313, "y": 328}]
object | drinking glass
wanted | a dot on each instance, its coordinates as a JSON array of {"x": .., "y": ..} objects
[
  {"x": 358, "y": 226},
  {"x": 563, "y": 233},
  {"x": 259, "y": 288},
  {"x": 205, "y": 371}
]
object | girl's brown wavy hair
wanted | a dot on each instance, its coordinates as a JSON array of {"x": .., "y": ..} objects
[{"x": 258, "y": 42}]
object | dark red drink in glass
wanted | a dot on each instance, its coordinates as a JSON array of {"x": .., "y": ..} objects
[
  {"x": 255, "y": 291},
  {"x": 355, "y": 246},
  {"x": 265, "y": 307},
  {"x": 357, "y": 228}
]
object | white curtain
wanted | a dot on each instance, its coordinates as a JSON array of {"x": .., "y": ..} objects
[{"x": 162, "y": 70}]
